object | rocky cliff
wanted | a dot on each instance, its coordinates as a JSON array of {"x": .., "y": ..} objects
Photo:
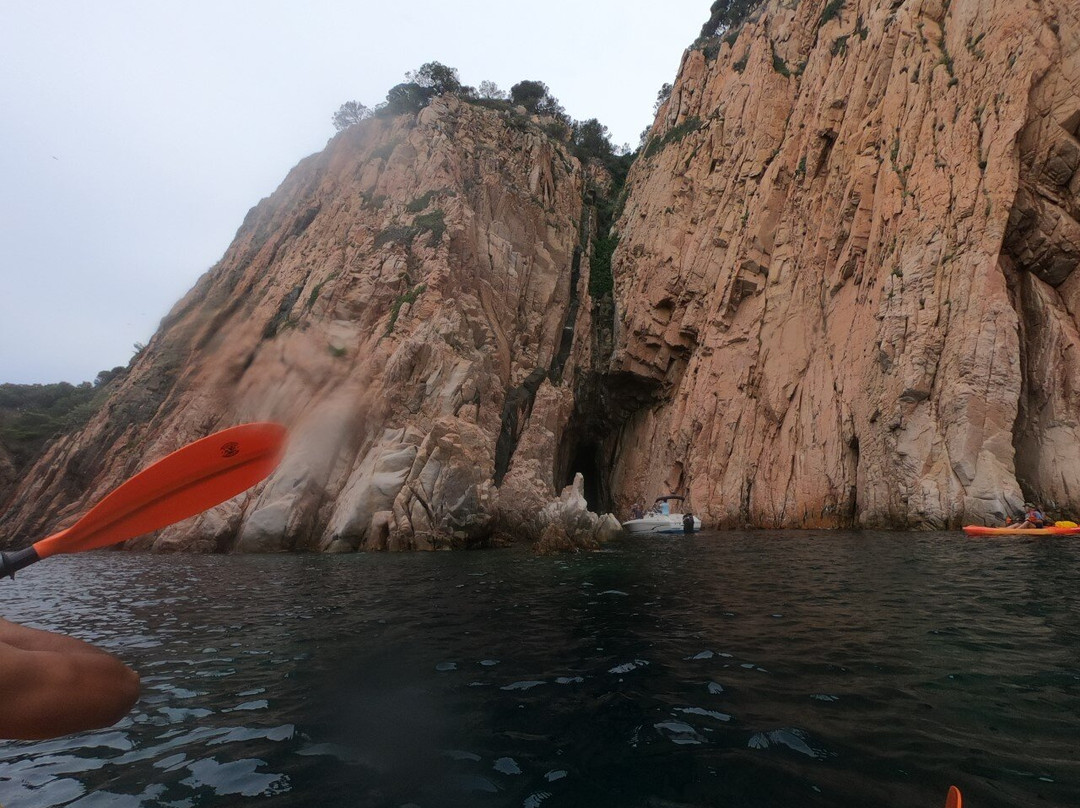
[
  {"x": 844, "y": 295},
  {"x": 409, "y": 302},
  {"x": 848, "y": 258}
]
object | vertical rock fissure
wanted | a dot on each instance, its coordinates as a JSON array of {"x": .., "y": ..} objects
[
  {"x": 519, "y": 401},
  {"x": 1025, "y": 405},
  {"x": 518, "y": 404},
  {"x": 604, "y": 240},
  {"x": 516, "y": 411},
  {"x": 852, "y": 509},
  {"x": 566, "y": 343}
]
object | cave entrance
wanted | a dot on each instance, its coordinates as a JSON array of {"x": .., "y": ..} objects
[
  {"x": 602, "y": 405},
  {"x": 586, "y": 460}
]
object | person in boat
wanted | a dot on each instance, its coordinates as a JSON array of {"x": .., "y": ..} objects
[
  {"x": 1033, "y": 517},
  {"x": 53, "y": 685},
  {"x": 636, "y": 511}
]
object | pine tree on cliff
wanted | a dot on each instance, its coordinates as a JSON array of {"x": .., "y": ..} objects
[
  {"x": 537, "y": 99},
  {"x": 724, "y": 14},
  {"x": 350, "y": 113},
  {"x": 437, "y": 77}
]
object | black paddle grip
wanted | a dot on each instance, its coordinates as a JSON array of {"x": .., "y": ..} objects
[{"x": 11, "y": 562}]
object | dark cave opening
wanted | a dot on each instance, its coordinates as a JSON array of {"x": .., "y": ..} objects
[
  {"x": 590, "y": 445},
  {"x": 586, "y": 461}
]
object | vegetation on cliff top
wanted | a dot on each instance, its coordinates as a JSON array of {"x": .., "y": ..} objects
[
  {"x": 433, "y": 79},
  {"x": 32, "y": 414},
  {"x": 589, "y": 140},
  {"x": 725, "y": 18},
  {"x": 726, "y": 14}
]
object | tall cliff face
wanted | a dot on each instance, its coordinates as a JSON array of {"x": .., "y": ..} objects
[
  {"x": 848, "y": 257},
  {"x": 407, "y": 302},
  {"x": 845, "y": 294}
]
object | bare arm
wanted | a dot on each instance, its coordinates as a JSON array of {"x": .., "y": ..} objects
[
  {"x": 51, "y": 685},
  {"x": 32, "y": 639}
]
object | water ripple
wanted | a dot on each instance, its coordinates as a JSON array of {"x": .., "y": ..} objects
[{"x": 766, "y": 669}]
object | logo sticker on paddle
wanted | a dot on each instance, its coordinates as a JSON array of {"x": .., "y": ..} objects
[{"x": 231, "y": 449}]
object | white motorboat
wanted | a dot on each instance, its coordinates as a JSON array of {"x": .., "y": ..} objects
[{"x": 661, "y": 519}]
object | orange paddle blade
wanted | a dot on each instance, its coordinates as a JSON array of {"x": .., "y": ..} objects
[
  {"x": 188, "y": 481},
  {"x": 954, "y": 800}
]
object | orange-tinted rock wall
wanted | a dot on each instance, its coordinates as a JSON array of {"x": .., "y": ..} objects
[{"x": 813, "y": 260}]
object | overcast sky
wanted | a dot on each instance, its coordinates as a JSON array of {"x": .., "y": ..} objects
[{"x": 135, "y": 135}]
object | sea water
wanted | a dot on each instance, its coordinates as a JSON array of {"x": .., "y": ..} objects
[{"x": 720, "y": 669}]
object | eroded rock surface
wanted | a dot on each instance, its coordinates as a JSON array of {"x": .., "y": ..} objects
[{"x": 849, "y": 258}]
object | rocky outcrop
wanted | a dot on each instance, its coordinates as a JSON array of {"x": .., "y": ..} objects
[
  {"x": 407, "y": 302},
  {"x": 848, "y": 257},
  {"x": 567, "y": 524}
]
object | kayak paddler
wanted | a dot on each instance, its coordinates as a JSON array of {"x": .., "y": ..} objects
[{"x": 1033, "y": 517}]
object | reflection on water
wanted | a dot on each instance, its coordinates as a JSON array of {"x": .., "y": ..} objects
[{"x": 763, "y": 669}]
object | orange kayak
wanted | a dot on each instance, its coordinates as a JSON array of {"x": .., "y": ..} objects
[{"x": 979, "y": 530}]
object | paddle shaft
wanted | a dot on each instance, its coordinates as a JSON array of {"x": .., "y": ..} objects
[{"x": 12, "y": 562}]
